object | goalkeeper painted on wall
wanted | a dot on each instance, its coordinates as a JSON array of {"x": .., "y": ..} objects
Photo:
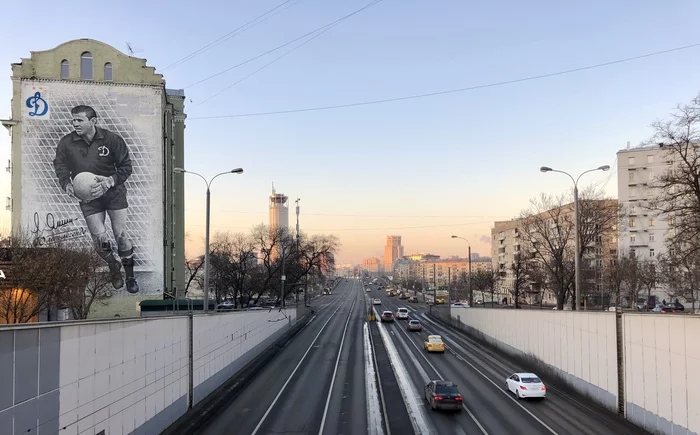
[{"x": 92, "y": 165}]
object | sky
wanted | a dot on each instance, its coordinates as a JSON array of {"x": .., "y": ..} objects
[{"x": 422, "y": 168}]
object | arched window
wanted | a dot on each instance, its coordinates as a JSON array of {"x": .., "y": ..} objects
[
  {"x": 86, "y": 72},
  {"x": 65, "y": 69},
  {"x": 108, "y": 72}
]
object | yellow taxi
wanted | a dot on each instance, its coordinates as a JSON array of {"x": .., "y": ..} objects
[{"x": 434, "y": 343}]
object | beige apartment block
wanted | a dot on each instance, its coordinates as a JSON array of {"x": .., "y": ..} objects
[
  {"x": 372, "y": 265},
  {"x": 507, "y": 241},
  {"x": 645, "y": 231}
]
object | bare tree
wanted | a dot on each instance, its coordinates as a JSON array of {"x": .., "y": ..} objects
[
  {"x": 88, "y": 283},
  {"x": 681, "y": 274},
  {"x": 485, "y": 282},
  {"x": 232, "y": 258},
  {"x": 36, "y": 279},
  {"x": 548, "y": 231},
  {"x": 193, "y": 269},
  {"x": 678, "y": 188},
  {"x": 648, "y": 271}
]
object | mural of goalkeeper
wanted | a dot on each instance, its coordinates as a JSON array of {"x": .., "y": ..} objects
[{"x": 103, "y": 157}]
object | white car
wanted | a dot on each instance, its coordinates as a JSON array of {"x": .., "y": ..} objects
[
  {"x": 376, "y": 301},
  {"x": 402, "y": 313},
  {"x": 460, "y": 305},
  {"x": 367, "y": 289},
  {"x": 526, "y": 385}
]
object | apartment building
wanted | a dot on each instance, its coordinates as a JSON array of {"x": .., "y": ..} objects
[
  {"x": 439, "y": 272},
  {"x": 372, "y": 265},
  {"x": 508, "y": 241},
  {"x": 644, "y": 232}
]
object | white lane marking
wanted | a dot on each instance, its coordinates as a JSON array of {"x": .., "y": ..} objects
[
  {"x": 416, "y": 412},
  {"x": 335, "y": 369},
  {"x": 464, "y": 406},
  {"x": 374, "y": 416},
  {"x": 289, "y": 379},
  {"x": 502, "y": 390}
]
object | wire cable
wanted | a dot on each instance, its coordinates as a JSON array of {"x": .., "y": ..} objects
[
  {"x": 450, "y": 91},
  {"x": 273, "y": 61},
  {"x": 374, "y": 2},
  {"x": 235, "y": 32}
]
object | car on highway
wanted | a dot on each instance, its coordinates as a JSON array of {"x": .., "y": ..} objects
[
  {"x": 443, "y": 395},
  {"x": 434, "y": 343},
  {"x": 402, "y": 313},
  {"x": 387, "y": 316},
  {"x": 367, "y": 289},
  {"x": 414, "y": 325},
  {"x": 525, "y": 385},
  {"x": 376, "y": 301}
]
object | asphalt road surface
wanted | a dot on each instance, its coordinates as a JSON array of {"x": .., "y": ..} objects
[
  {"x": 480, "y": 375},
  {"x": 316, "y": 385}
]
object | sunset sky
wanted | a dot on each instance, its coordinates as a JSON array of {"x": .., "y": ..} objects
[{"x": 422, "y": 168}]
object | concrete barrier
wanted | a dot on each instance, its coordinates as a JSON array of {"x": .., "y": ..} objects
[
  {"x": 662, "y": 363},
  {"x": 655, "y": 385},
  {"x": 123, "y": 376}
]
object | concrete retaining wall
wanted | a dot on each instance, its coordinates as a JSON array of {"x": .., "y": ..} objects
[
  {"x": 127, "y": 376},
  {"x": 661, "y": 355}
]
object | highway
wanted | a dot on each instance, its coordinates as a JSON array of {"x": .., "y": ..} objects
[
  {"x": 480, "y": 375},
  {"x": 340, "y": 375},
  {"x": 316, "y": 385}
]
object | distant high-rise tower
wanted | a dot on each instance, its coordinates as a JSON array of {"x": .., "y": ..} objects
[
  {"x": 392, "y": 252},
  {"x": 279, "y": 211}
]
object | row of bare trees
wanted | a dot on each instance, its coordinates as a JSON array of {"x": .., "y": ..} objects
[
  {"x": 247, "y": 267},
  {"x": 40, "y": 280}
]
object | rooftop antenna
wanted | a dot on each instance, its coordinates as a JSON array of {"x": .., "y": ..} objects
[
  {"x": 132, "y": 50},
  {"x": 273, "y": 187},
  {"x": 628, "y": 144}
]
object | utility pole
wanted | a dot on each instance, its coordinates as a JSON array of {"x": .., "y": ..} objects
[
  {"x": 449, "y": 286},
  {"x": 469, "y": 284},
  {"x": 296, "y": 293},
  {"x": 282, "y": 279},
  {"x": 434, "y": 285}
]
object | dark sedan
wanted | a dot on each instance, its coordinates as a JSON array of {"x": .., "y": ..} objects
[{"x": 443, "y": 395}]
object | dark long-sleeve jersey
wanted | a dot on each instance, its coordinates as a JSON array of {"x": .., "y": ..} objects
[{"x": 107, "y": 156}]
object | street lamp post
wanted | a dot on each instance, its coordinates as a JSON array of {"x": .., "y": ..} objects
[
  {"x": 208, "y": 221},
  {"x": 577, "y": 244},
  {"x": 469, "y": 259}
]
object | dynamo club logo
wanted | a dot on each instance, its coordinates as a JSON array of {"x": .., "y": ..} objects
[{"x": 37, "y": 105}]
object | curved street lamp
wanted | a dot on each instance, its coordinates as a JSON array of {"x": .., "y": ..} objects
[
  {"x": 577, "y": 259},
  {"x": 208, "y": 220}
]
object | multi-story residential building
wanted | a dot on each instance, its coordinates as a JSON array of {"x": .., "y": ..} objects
[
  {"x": 644, "y": 233},
  {"x": 392, "y": 252},
  {"x": 372, "y": 265},
  {"x": 440, "y": 273},
  {"x": 508, "y": 242}
]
